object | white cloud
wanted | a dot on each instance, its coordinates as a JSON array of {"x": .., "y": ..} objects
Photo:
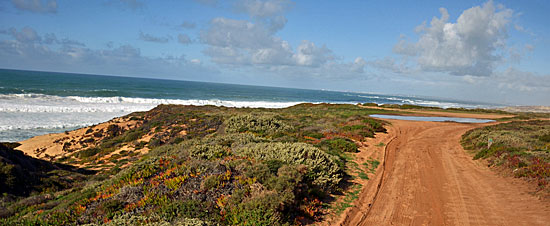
[
  {"x": 269, "y": 13},
  {"x": 307, "y": 54},
  {"x": 242, "y": 42},
  {"x": 471, "y": 46},
  {"x": 152, "y": 38},
  {"x": 25, "y": 35},
  {"x": 391, "y": 64},
  {"x": 358, "y": 65},
  {"x": 36, "y": 6},
  {"x": 264, "y": 9},
  {"x": 516, "y": 80},
  {"x": 253, "y": 44},
  {"x": 225, "y": 32},
  {"x": 188, "y": 25},
  {"x": 184, "y": 39},
  {"x": 26, "y": 49}
]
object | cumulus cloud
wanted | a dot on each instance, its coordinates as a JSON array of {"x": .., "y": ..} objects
[
  {"x": 471, "y": 46},
  {"x": 25, "y": 35},
  {"x": 26, "y": 49},
  {"x": 28, "y": 35},
  {"x": 523, "y": 81},
  {"x": 152, "y": 38},
  {"x": 184, "y": 39},
  {"x": 513, "y": 86},
  {"x": 188, "y": 25},
  {"x": 308, "y": 54},
  {"x": 264, "y": 9},
  {"x": 358, "y": 65},
  {"x": 242, "y": 42},
  {"x": 270, "y": 13},
  {"x": 36, "y": 6},
  {"x": 254, "y": 44},
  {"x": 391, "y": 64}
]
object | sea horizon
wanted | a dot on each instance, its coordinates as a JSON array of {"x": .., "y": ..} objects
[{"x": 34, "y": 103}]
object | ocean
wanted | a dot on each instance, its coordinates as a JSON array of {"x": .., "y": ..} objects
[{"x": 35, "y": 103}]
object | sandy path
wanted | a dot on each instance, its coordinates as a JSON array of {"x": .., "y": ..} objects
[{"x": 427, "y": 179}]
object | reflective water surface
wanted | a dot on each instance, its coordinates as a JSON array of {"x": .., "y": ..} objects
[{"x": 433, "y": 118}]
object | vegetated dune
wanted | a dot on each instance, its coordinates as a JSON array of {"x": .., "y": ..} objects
[
  {"x": 21, "y": 175},
  {"x": 207, "y": 165},
  {"x": 427, "y": 178},
  {"x": 65, "y": 147}
]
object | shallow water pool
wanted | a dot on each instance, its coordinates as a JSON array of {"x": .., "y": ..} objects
[{"x": 433, "y": 118}]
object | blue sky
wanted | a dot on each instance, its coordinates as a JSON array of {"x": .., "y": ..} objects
[{"x": 491, "y": 51}]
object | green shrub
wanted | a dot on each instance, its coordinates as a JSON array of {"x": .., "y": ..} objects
[
  {"x": 322, "y": 168},
  {"x": 88, "y": 152},
  {"x": 545, "y": 138},
  {"x": 370, "y": 104},
  {"x": 111, "y": 207},
  {"x": 315, "y": 135},
  {"x": 155, "y": 142},
  {"x": 354, "y": 127},
  {"x": 178, "y": 209},
  {"x": 340, "y": 144},
  {"x": 114, "y": 130},
  {"x": 109, "y": 143},
  {"x": 208, "y": 151},
  {"x": 274, "y": 165},
  {"x": 132, "y": 135},
  {"x": 151, "y": 220},
  {"x": 261, "y": 124},
  {"x": 375, "y": 124},
  {"x": 261, "y": 210}
]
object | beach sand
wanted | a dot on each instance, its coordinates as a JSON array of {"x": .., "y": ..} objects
[{"x": 55, "y": 146}]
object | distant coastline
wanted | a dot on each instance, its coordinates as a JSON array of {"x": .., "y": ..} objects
[{"x": 34, "y": 103}]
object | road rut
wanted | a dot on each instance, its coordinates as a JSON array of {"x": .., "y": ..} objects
[{"x": 428, "y": 179}]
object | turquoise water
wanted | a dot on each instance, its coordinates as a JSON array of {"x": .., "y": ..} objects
[
  {"x": 35, "y": 103},
  {"x": 433, "y": 119}
]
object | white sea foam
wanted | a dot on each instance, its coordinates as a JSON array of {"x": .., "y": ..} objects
[
  {"x": 26, "y": 115},
  {"x": 49, "y": 103}
]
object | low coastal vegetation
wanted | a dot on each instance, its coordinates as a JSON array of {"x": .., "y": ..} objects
[
  {"x": 521, "y": 148},
  {"x": 206, "y": 166}
]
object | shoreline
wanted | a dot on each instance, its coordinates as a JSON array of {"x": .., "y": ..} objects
[
  {"x": 365, "y": 148},
  {"x": 50, "y": 146}
]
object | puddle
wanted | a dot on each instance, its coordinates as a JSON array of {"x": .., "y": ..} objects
[{"x": 433, "y": 119}]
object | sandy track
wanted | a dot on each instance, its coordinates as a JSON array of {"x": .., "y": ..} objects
[{"x": 427, "y": 179}]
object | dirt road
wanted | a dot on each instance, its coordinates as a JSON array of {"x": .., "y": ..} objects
[{"x": 426, "y": 178}]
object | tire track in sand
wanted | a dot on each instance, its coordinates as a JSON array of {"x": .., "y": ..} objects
[{"x": 428, "y": 179}]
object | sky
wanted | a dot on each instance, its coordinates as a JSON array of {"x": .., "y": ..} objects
[{"x": 488, "y": 51}]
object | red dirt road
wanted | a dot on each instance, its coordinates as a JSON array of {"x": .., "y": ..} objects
[{"x": 426, "y": 178}]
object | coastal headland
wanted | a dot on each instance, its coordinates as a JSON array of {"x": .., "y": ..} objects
[{"x": 310, "y": 163}]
